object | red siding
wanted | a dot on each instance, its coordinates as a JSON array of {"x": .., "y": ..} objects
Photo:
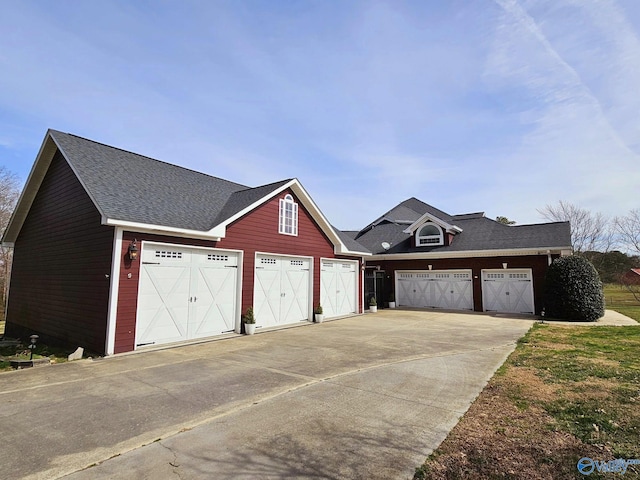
[
  {"x": 255, "y": 232},
  {"x": 61, "y": 265},
  {"x": 537, "y": 263},
  {"x": 258, "y": 232}
]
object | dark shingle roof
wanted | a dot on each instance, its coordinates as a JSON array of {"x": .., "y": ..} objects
[
  {"x": 348, "y": 239},
  {"x": 131, "y": 187},
  {"x": 478, "y": 233}
]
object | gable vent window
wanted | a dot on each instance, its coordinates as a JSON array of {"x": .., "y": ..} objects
[
  {"x": 288, "y": 216},
  {"x": 429, "y": 235}
]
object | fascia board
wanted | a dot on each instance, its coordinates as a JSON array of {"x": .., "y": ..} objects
[
  {"x": 429, "y": 217},
  {"x": 339, "y": 248},
  {"x": 160, "y": 229},
  {"x": 510, "y": 252},
  {"x": 75, "y": 172},
  {"x": 30, "y": 190},
  {"x": 221, "y": 229}
]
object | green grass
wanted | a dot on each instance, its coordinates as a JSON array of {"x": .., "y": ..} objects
[
  {"x": 597, "y": 368},
  {"x": 618, "y": 298},
  {"x": 21, "y": 352},
  {"x": 562, "y": 382}
]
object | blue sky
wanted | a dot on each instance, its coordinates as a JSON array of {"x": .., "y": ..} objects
[{"x": 497, "y": 106}]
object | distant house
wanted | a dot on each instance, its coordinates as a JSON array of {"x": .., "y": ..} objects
[
  {"x": 430, "y": 259},
  {"x": 631, "y": 277},
  {"x": 115, "y": 251}
]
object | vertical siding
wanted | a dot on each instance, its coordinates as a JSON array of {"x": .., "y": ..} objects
[
  {"x": 62, "y": 259},
  {"x": 255, "y": 232},
  {"x": 537, "y": 263}
]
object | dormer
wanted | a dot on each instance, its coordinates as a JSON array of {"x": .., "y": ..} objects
[{"x": 431, "y": 231}]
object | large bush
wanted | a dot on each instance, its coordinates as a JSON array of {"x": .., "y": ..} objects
[{"x": 573, "y": 290}]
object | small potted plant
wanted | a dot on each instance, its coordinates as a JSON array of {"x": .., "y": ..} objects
[
  {"x": 318, "y": 314},
  {"x": 249, "y": 322},
  {"x": 373, "y": 305},
  {"x": 392, "y": 300}
]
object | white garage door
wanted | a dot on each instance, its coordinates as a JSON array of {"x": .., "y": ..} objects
[
  {"x": 450, "y": 289},
  {"x": 185, "y": 293},
  {"x": 507, "y": 290},
  {"x": 338, "y": 287},
  {"x": 281, "y": 290}
]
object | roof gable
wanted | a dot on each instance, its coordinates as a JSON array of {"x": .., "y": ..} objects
[
  {"x": 140, "y": 193},
  {"x": 473, "y": 233}
]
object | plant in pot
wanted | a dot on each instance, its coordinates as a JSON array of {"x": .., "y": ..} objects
[
  {"x": 392, "y": 300},
  {"x": 373, "y": 305},
  {"x": 319, "y": 316},
  {"x": 249, "y": 322}
]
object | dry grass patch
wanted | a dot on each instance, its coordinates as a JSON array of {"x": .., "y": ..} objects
[{"x": 549, "y": 406}]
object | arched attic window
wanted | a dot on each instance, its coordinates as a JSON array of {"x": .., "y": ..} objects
[
  {"x": 429, "y": 235},
  {"x": 288, "y": 224}
]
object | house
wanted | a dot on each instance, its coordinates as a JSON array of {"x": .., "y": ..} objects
[
  {"x": 115, "y": 251},
  {"x": 430, "y": 259},
  {"x": 631, "y": 277}
]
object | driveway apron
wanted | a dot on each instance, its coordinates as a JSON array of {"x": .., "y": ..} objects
[{"x": 362, "y": 397}]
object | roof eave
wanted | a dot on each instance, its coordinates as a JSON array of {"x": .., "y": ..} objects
[
  {"x": 161, "y": 229},
  {"x": 505, "y": 252},
  {"x": 340, "y": 248}
]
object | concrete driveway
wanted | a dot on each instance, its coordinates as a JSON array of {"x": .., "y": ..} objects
[{"x": 362, "y": 397}]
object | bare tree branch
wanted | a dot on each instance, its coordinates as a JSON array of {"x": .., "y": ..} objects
[
  {"x": 9, "y": 192},
  {"x": 589, "y": 231},
  {"x": 628, "y": 229}
]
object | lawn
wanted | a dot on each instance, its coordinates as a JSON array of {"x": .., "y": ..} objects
[
  {"x": 565, "y": 393},
  {"x": 618, "y": 298}
]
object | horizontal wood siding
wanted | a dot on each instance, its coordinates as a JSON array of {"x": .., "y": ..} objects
[
  {"x": 258, "y": 232},
  {"x": 128, "y": 289},
  {"x": 255, "y": 232},
  {"x": 62, "y": 260},
  {"x": 537, "y": 263}
]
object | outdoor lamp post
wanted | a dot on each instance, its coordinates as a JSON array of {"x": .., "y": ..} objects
[{"x": 34, "y": 339}]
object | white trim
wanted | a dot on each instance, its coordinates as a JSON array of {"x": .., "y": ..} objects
[
  {"x": 509, "y": 270},
  {"x": 311, "y": 264},
  {"x": 469, "y": 271},
  {"x": 160, "y": 229},
  {"x": 114, "y": 285},
  {"x": 342, "y": 260},
  {"x": 428, "y": 217},
  {"x": 511, "y": 252},
  {"x": 283, "y": 204},
  {"x": 439, "y": 236},
  {"x": 239, "y": 276}
]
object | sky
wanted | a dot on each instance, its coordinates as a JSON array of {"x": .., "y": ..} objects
[{"x": 498, "y": 106}]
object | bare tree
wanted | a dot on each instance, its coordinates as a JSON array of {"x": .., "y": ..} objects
[
  {"x": 589, "y": 231},
  {"x": 628, "y": 230},
  {"x": 9, "y": 192}
]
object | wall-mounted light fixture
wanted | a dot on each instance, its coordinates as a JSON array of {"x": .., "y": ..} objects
[
  {"x": 430, "y": 267},
  {"x": 133, "y": 250},
  {"x": 504, "y": 265}
]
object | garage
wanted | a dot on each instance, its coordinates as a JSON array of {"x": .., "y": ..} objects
[
  {"x": 186, "y": 293},
  {"x": 448, "y": 289},
  {"x": 282, "y": 290},
  {"x": 508, "y": 290},
  {"x": 338, "y": 287}
]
